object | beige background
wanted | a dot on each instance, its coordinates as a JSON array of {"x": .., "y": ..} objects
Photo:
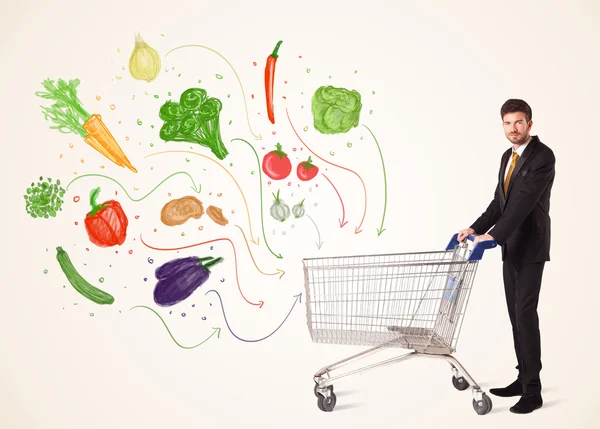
[{"x": 440, "y": 72}]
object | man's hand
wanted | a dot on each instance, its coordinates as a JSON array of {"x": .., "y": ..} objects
[
  {"x": 484, "y": 237},
  {"x": 464, "y": 234}
]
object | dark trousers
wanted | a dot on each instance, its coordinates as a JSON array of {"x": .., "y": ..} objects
[{"x": 522, "y": 284}]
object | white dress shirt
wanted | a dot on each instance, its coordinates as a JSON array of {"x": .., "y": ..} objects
[{"x": 520, "y": 152}]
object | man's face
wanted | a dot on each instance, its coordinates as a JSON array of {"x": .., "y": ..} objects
[{"x": 516, "y": 127}]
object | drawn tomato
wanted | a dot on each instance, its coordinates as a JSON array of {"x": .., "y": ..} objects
[
  {"x": 276, "y": 164},
  {"x": 306, "y": 170}
]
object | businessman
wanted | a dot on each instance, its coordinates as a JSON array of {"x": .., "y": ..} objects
[{"x": 520, "y": 222}]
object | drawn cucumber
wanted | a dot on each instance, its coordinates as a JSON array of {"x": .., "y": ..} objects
[{"x": 79, "y": 283}]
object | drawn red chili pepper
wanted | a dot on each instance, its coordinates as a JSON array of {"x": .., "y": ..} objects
[
  {"x": 269, "y": 80},
  {"x": 106, "y": 224}
]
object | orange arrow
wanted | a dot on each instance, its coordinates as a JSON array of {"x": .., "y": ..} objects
[
  {"x": 279, "y": 272},
  {"x": 253, "y": 240},
  {"x": 259, "y": 303}
]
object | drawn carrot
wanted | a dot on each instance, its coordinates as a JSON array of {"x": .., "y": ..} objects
[
  {"x": 70, "y": 117},
  {"x": 269, "y": 80}
]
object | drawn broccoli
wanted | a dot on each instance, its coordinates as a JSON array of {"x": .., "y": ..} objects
[
  {"x": 335, "y": 110},
  {"x": 195, "y": 119}
]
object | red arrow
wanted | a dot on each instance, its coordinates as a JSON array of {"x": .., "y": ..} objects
[
  {"x": 343, "y": 221},
  {"x": 259, "y": 303},
  {"x": 357, "y": 229}
]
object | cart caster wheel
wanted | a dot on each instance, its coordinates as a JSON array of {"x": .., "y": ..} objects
[
  {"x": 326, "y": 404},
  {"x": 460, "y": 383},
  {"x": 317, "y": 393},
  {"x": 484, "y": 406}
]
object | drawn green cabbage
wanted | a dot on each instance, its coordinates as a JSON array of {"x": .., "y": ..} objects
[{"x": 335, "y": 110}]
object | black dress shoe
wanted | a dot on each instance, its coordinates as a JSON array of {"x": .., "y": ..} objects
[
  {"x": 513, "y": 389},
  {"x": 528, "y": 403}
]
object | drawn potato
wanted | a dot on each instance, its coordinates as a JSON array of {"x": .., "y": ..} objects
[
  {"x": 216, "y": 214},
  {"x": 178, "y": 211}
]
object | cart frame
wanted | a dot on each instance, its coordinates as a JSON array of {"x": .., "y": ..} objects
[{"x": 345, "y": 306}]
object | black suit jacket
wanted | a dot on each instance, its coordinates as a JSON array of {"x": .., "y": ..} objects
[{"x": 521, "y": 219}]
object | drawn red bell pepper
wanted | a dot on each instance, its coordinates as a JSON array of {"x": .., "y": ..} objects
[
  {"x": 269, "y": 80},
  {"x": 106, "y": 224}
]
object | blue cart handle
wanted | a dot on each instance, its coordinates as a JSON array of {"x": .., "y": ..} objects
[{"x": 477, "y": 252}]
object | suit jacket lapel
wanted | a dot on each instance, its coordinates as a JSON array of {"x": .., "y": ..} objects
[
  {"x": 501, "y": 177},
  {"x": 522, "y": 159}
]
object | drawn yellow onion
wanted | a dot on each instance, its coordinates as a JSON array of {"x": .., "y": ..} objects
[{"x": 144, "y": 63}]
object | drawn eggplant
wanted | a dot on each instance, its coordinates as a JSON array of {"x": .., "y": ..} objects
[{"x": 179, "y": 278}]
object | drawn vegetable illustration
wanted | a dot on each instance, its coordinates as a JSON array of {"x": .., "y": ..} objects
[
  {"x": 306, "y": 170},
  {"x": 70, "y": 117},
  {"x": 144, "y": 62},
  {"x": 178, "y": 211},
  {"x": 179, "y": 278},
  {"x": 195, "y": 119},
  {"x": 335, "y": 110},
  {"x": 270, "y": 80},
  {"x": 79, "y": 283},
  {"x": 44, "y": 199},
  {"x": 276, "y": 164},
  {"x": 298, "y": 210},
  {"x": 279, "y": 210},
  {"x": 106, "y": 224},
  {"x": 216, "y": 214}
]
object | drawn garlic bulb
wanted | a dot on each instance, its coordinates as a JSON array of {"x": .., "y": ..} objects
[
  {"x": 144, "y": 63},
  {"x": 298, "y": 210},
  {"x": 279, "y": 210}
]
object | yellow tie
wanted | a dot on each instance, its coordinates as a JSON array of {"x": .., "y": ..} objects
[{"x": 515, "y": 157}]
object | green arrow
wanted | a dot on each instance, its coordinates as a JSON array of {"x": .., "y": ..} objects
[
  {"x": 381, "y": 228},
  {"x": 196, "y": 189},
  {"x": 215, "y": 330},
  {"x": 261, "y": 197}
]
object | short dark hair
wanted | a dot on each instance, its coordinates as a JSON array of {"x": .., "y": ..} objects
[{"x": 515, "y": 105}]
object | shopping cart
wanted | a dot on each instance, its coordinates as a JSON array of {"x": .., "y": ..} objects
[{"x": 409, "y": 300}]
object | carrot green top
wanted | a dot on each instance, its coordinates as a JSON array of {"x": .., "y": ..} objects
[{"x": 67, "y": 112}]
